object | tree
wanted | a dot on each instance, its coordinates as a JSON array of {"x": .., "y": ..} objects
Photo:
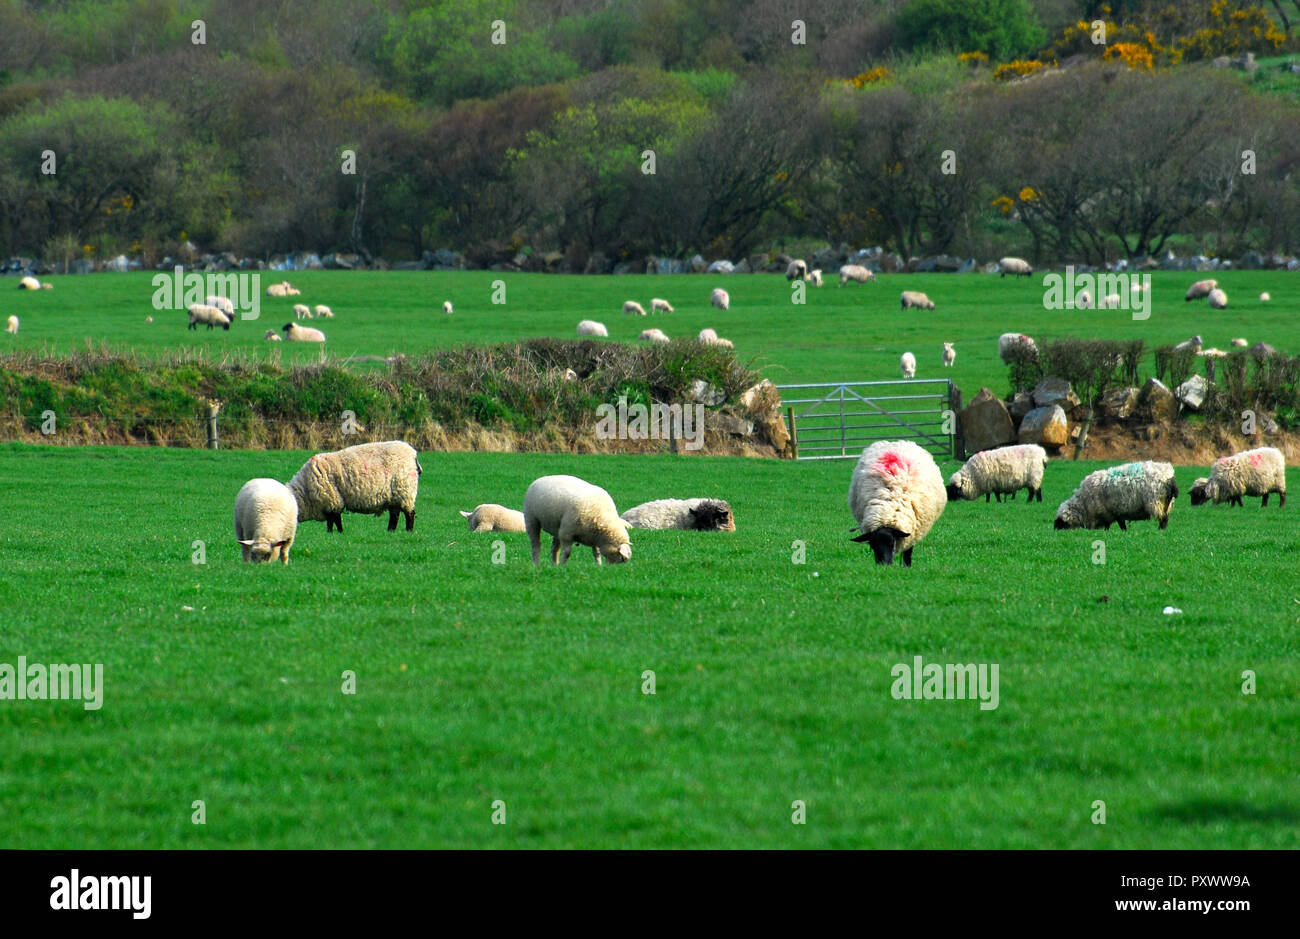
[{"x": 1002, "y": 29}]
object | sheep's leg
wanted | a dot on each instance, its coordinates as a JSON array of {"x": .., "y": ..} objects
[
  {"x": 337, "y": 519},
  {"x": 1039, "y": 492},
  {"x": 555, "y": 549},
  {"x": 534, "y": 540},
  {"x": 1122, "y": 526},
  {"x": 907, "y": 558},
  {"x": 988, "y": 497},
  {"x": 392, "y": 519},
  {"x": 1281, "y": 500},
  {"x": 1264, "y": 504},
  {"x": 1164, "y": 521},
  {"x": 410, "y": 519}
]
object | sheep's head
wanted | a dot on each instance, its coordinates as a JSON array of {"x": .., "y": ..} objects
[
  {"x": 616, "y": 554},
  {"x": 884, "y": 542},
  {"x": 957, "y": 484},
  {"x": 260, "y": 552},
  {"x": 1199, "y": 493},
  {"x": 712, "y": 515},
  {"x": 1067, "y": 516}
]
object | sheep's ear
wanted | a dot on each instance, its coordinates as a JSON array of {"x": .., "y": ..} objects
[
  {"x": 464, "y": 513},
  {"x": 246, "y": 544},
  {"x": 861, "y": 538},
  {"x": 625, "y": 551}
]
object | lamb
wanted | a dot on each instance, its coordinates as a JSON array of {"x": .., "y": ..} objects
[
  {"x": 301, "y": 311},
  {"x": 914, "y": 298},
  {"x": 592, "y": 328},
  {"x": 707, "y": 335},
  {"x": 1017, "y": 267},
  {"x": 797, "y": 270},
  {"x": 47, "y": 286},
  {"x": 271, "y": 336},
  {"x": 815, "y": 276},
  {"x": 725, "y": 343},
  {"x": 658, "y": 305},
  {"x": 896, "y": 495},
  {"x": 492, "y": 517},
  {"x": 266, "y": 520},
  {"x": 11, "y": 326},
  {"x": 1264, "y": 298},
  {"x": 1109, "y": 302},
  {"x": 1240, "y": 343},
  {"x": 995, "y": 472},
  {"x": 683, "y": 514},
  {"x": 295, "y": 333},
  {"x": 1257, "y": 472},
  {"x": 446, "y": 307},
  {"x": 632, "y": 307},
  {"x": 29, "y": 283},
  {"x": 720, "y": 298},
  {"x": 202, "y": 313},
  {"x": 1084, "y": 301},
  {"x": 223, "y": 304},
  {"x": 654, "y": 335},
  {"x": 856, "y": 273},
  {"x": 1009, "y": 341},
  {"x": 1200, "y": 289},
  {"x": 1190, "y": 345},
  {"x": 1130, "y": 492},
  {"x": 366, "y": 478},
  {"x": 322, "y": 310},
  {"x": 907, "y": 365},
  {"x": 573, "y": 511},
  {"x": 281, "y": 289},
  {"x": 1218, "y": 299},
  {"x": 949, "y": 355}
]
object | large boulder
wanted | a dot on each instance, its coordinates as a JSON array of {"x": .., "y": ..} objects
[
  {"x": 1193, "y": 391},
  {"x": 1157, "y": 403},
  {"x": 721, "y": 267},
  {"x": 985, "y": 423},
  {"x": 1052, "y": 390},
  {"x": 698, "y": 265},
  {"x": 1048, "y": 427},
  {"x": 1021, "y": 405},
  {"x": 1117, "y": 405}
]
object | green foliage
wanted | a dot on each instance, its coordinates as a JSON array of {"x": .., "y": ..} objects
[{"x": 1002, "y": 29}]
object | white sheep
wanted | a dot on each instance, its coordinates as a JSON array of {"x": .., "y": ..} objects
[
  {"x": 1218, "y": 300},
  {"x": 446, "y": 307},
  {"x": 209, "y": 315},
  {"x": 654, "y": 335},
  {"x": 1200, "y": 289},
  {"x": 271, "y": 336},
  {"x": 12, "y": 325},
  {"x": 1005, "y": 470},
  {"x": 725, "y": 343},
  {"x": 1255, "y": 472},
  {"x": 1084, "y": 300},
  {"x": 796, "y": 270},
  {"x": 223, "y": 304},
  {"x": 266, "y": 520},
  {"x": 29, "y": 283},
  {"x": 631, "y": 307},
  {"x": 323, "y": 311},
  {"x": 914, "y": 298},
  {"x": 290, "y": 290},
  {"x": 896, "y": 495},
  {"x": 1126, "y": 493},
  {"x": 573, "y": 511},
  {"x": 855, "y": 273},
  {"x": 295, "y": 333},
  {"x": 368, "y": 478},
  {"x": 707, "y": 335},
  {"x": 659, "y": 305},
  {"x": 1194, "y": 344},
  {"x": 1109, "y": 302},
  {"x": 815, "y": 276},
  {"x": 47, "y": 286},
  {"x": 1017, "y": 267},
  {"x": 720, "y": 298},
  {"x": 278, "y": 290},
  {"x": 492, "y": 517},
  {"x": 301, "y": 311},
  {"x": 1240, "y": 343},
  {"x": 682, "y": 514},
  {"x": 907, "y": 365},
  {"x": 592, "y": 328},
  {"x": 1010, "y": 341},
  {"x": 1264, "y": 298},
  {"x": 949, "y": 355}
]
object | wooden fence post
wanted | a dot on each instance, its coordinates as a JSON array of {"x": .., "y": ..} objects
[
  {"x": 213, "y": 441},
  {"x": 794, "y": 434}
]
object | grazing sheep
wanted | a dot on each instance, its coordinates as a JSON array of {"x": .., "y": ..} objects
[
  {"x": 1264, "y": 298},
  {"x": 654, "y": 335},
  {"x": 1200, "y": 289},
  {"x": 223, "y": 304},
  {"x": 29, "y": 283},
  {"x": 707, "y": 335},
  {"x": 684, "y": 514},
  {"x": 295, "y": 333},
  {"x": 797, "y": 270},
  {"x": 896, "y": 495},
  {"x": 907, "y": 365},
  {"x": 12, "y": 325},
  {"x": 1084, "y": 301},
  {"x": 1109, "y": 302},
  {"x": 271, "y": 336},
  {"x": 492, "y": 517},
  {"x": 1190, "y": 345},
  {"x": 266, "y": 520},
  {"x": 1255, "y": 472},
  {"x": 301, "y": 311},
  {"x": 1240, "y": 343},
  {"x": 1009, "y": 341},
  {"x": 659, "y": 305},
  {"x": 573, "y": 511},
  {"x": 949, "y": 355},
  {"x": 202, "y": 313},
  {"x": 1127, "y": 493},
  {"x": 322, "y": 310},
  {"x": 368, "y": 478},
  {"x": 632, "y": 307},
  {"x": 1218, "y": 299},
  {"x": 1017, "y": 267},
  {"x": 446, "y": 307},
  {"x": 855, "y": 273},
  {"x": 914, "y": 298},
  {"x": 720, "y": 298},
  {"x": 815, "y": 276},
  {"x": 995, "y": 472},
  {"x": 592, "y": 328}
]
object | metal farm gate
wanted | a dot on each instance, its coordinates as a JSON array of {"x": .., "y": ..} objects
[{"x": 839, "y": 420}]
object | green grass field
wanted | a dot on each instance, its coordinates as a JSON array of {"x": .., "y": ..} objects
[
  {"x": 478, "y": 681},
  {"x": 840, "y": 334}
]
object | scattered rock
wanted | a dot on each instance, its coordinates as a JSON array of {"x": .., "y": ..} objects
[
  {"x": 1117, "y": 404},
  {"x": 1192, "y": 392},
  {"x": 986, "y": 423},
  {"x": 1046, "y": 426},
  {"x": 1157, "y": 402},
  {"x": 1055, "y": 391}
]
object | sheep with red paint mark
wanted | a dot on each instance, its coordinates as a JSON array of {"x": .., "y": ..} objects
[
  {"x": 1257, "y": 472},
  {"x": 896, "y": 495}
]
